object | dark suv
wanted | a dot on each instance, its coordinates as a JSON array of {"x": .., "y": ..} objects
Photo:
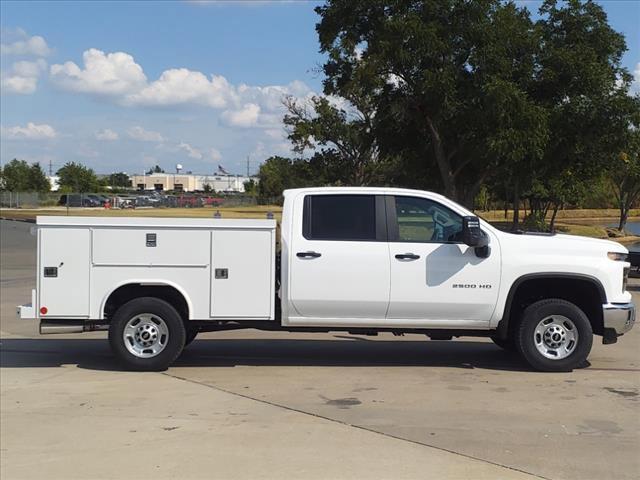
[{"x": 78, "y": 200}]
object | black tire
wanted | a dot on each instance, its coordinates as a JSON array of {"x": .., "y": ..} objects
[
  {"x": 191, "y": 334},
  {"x": 527, "y": 339},
  {"x": 505, "y": 343},
  {"x": 155, "y": 310}
]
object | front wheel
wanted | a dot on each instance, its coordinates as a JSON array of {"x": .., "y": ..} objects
[
  {"x": 554, "y": 336},
  {"x": 147, "y": 334}
]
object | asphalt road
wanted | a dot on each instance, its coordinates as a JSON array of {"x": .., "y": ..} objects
[{"x": 251, "y": 404}]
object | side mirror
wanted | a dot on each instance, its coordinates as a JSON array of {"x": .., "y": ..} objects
[{"x": 472, "y": 235}]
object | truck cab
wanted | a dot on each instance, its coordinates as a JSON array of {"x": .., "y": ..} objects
[{"x": 355, "y": 259}]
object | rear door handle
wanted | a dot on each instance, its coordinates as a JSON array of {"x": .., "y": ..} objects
[
  {"x": 308, "y": 254},
  {"x": 407, "y": 256}
]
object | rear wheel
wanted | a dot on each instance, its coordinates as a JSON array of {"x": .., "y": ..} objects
[
  {"x": 147, "y": 334},
  {"x": 554, "y": 336}
]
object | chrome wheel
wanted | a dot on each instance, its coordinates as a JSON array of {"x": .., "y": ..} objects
[
  {"x": 556, "y": 337},
  {"x": 145, "y": 335}
]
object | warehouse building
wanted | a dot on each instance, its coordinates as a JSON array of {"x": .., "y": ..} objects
[{"x": 187, "y": 182}]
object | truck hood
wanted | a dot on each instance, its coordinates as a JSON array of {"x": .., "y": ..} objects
[{"x": 569, "y": 243}]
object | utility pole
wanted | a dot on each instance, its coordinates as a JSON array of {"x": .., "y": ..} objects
[
  {"x": 248, "y": 166},
  {"x": 50, "y": 168}
]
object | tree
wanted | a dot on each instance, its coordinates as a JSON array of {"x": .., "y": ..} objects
[
  {"x": 624, "y": 169},
  {"x": 75, "y": 177},
  {"x": 155, "y": 169},
  {"x": 277, "y": 174},
  {"x": 626, "y": 183},
  {"x": 207, "y": 188},
  {"x": 250, "y": 187},
  {"x": 437, "y": 68},
  {"x": 479, "y": 92},
  {"x": 583, "y": 88},
  {"x": 119, "y": 180},
  {"x": 344, "y": 136},
  {"x": 19, "y": 176}
]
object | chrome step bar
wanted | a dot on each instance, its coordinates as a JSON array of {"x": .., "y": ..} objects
[{"x": 69, "y": 326}]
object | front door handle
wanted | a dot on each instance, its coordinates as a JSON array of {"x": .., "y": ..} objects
[
  {"x": 407, "y": 256},
  {"x": 308, "y": 254}
]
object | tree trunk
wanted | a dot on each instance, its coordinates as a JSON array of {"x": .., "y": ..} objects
[
  {"x": 552, "y": 225},
  {"x": 624, "y": 214},
  {"x": 444, "y": 165},
  {"x": 470, "y": 196},
  {"x": 516, "y": 206}
]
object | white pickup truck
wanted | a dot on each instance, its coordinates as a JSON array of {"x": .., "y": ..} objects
[{"x": 360, "y": 260}]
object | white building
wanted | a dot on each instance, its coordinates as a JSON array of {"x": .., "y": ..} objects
[
  {"x": 190, "y": 182},
  {"x": 54, "y": 182}
]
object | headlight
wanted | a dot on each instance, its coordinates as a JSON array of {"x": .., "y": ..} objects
[{"x": 618, "y": 257}]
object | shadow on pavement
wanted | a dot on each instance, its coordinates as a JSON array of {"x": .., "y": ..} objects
[{"x": 94, "y": 354}]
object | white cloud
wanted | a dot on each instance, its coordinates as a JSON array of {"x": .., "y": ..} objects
[
  {"x": 191, "y": 152},
  {"x": 139, "y": 133},
  {"x": 31, "y": 131},
  {"x": 118, "y": 76},
  {"x": 22, "y": 44},
  {"x": 180, "y": 86},
  {"x": 22, "y": 77},
  {"x": 29, "y": 69},
  {"x": 19, "y": 85},
  {"x": 111, "y": 74},
  {"x": 215, "y": 155},
  {"x": 107, "y": 134},
  {"x": 246, "y": 116}
]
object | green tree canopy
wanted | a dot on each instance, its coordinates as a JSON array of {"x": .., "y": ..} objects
[
  {"x": 277, "y": 174},
  {"x": 475, "y": 91},
  {"x": 19, "y": 176},
  {"x": 156, "y": 169},
  {"x": 119, "y": 180},
  {"x": 75, "y": 177}
]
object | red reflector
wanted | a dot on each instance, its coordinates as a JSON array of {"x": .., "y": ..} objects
[{"x": 43, "y": 310}]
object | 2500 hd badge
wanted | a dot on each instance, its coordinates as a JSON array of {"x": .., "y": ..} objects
[{"x": 472, "y": 285}]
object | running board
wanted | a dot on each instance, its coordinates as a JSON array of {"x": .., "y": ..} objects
[{"x": 69, "y": 326}]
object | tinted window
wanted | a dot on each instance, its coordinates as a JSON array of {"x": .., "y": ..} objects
[
  {"x": 422, "y": 220},
  {"x": 340, "y": 217}
]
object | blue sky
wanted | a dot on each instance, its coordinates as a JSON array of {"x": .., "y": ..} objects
[{"x": 121, "y": 86}]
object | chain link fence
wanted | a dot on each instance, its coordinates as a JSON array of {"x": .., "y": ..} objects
[{"x": 29, "y": 200}]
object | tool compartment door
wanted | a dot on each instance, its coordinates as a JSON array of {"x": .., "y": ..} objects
[
  {"x": 64, "y": 271},
  {"x": 242, "y": 277}
]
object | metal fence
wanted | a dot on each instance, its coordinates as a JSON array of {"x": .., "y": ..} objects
[{"x": 28, "y": 200}]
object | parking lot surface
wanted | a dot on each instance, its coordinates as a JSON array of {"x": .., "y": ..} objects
[{"x": 251, "y": 404}]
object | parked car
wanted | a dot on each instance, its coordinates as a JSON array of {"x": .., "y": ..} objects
[
  {"x": 101, "y": 200},
  {"x": 359, "y": 260},
  {"x": 78, "y": 200}
]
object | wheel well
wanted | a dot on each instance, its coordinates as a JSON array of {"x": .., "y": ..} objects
[
  {"x": 123, "y": 294},
  {"x": 585, "y": 293}
]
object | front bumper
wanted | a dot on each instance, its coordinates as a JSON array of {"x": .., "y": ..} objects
[{"x": 618, "y": 317}]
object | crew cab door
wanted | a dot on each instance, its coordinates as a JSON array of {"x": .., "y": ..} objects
[
  {"x": 434, "y": 276},
  {"x": 339, "y": 259}
]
